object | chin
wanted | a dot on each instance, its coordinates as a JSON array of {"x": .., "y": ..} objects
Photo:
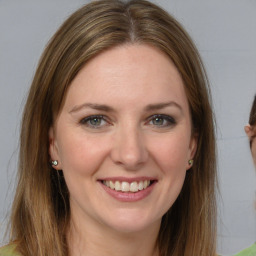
[{"x": 134, "y": 223}]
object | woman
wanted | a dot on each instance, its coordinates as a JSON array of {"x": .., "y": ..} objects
[
  {"x": 250, "y": 130},
  {"x": 120, "y": 107}
]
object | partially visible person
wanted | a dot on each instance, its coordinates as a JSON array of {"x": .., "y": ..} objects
[{"x": 250, "y": 130}]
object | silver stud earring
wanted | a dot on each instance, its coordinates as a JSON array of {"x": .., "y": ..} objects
[
  {"x": 54, "y": 162},
  {"x": 190, "y": 162}
]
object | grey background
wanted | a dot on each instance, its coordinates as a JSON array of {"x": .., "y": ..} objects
[{"x": 225, "y": 33}]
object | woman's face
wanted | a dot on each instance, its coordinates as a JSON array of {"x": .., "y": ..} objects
[
  {"x": 123, "y": 139},
  {"x": 251, "y": 133}
]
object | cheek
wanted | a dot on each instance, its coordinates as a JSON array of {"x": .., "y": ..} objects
[
  {"x": 81, "y": 154},
  {"x": 254, "y": 149},
  {"x": 171, "y": 153}
]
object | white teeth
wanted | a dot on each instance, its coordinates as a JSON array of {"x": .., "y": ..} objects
[
  {"x": 145, "y": 184},
  {"x": 141, "y": 185},
  {"x": 111, "y": 185},
  {"x": 125, "y": 186},
  {"x": 134, "y": 187},
  {"x": 117, "y": 186}
]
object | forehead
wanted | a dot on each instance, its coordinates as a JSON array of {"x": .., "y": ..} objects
[{"x": 132, "y": 73}]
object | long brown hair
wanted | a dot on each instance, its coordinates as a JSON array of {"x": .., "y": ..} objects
[{"x": 41, "y": 211}]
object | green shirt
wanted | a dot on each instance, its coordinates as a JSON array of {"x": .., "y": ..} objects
[
  {"x": 9, "y": 250},
  {"x": 251, "y": 251}
]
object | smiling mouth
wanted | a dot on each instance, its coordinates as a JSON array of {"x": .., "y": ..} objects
[{"x": 124, "y": 186}]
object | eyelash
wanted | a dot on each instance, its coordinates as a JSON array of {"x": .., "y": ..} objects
[{"x": 167, "y": 121}]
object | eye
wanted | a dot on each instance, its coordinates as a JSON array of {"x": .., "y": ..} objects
[
  {"x": 161, "y": 120},
  {"x": 96, "y": 121}
]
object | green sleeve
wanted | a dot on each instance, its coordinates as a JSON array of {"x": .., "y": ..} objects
[
  {"x": 251, "y": 251},
  {"x": 8, "y": 250}
]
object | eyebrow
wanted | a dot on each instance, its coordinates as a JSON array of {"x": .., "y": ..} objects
[
  {"x": 160, "y": 106},
  {"x": 92, "y": 106},
  {"x": 106, "y": 108}
]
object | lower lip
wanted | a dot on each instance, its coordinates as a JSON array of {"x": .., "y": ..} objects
[{"x": 129, "y": 196}]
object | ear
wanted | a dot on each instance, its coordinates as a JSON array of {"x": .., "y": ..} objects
[
  {"x": 248, "y": 130},
  {"x": 192, "y": 149},
  {"x": 53, "y": 149}
]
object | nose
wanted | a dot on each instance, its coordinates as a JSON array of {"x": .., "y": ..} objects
[{"x": 129, "y": 148}]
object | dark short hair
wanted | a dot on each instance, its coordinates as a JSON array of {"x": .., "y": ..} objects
[{"x": 252, "y": 118}]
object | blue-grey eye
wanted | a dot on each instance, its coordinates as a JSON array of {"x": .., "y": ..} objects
[
  {"x": 158, "y": 121},
  {"x": 93, "y": 121},
  {"x": 162, "y": 120}
]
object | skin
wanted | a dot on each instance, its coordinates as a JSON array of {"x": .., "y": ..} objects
[
  {"x": 251, "y": 133},
  {"x": 125, "y": 87}
]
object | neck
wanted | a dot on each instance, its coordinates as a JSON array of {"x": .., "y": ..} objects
[{"x": 104, "y": 241}]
